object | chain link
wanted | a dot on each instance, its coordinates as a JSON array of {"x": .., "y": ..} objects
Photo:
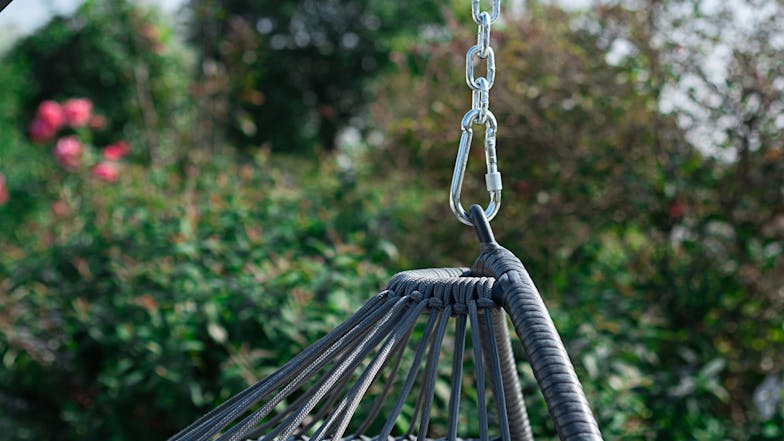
[
  {"x": 479, "y": 114},
  {"x": 476, "y": 11},
  {"x": 483, "y": 34}
]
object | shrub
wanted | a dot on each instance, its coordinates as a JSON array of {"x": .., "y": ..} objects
[{"x": 146, "y": 302}]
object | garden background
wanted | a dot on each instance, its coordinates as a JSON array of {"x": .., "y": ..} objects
[{"x": 186, "y": 202}]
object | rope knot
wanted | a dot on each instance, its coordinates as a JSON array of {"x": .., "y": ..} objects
[
  {"x": 459, "y": 309},
  {"x": 484, "y": 302}
]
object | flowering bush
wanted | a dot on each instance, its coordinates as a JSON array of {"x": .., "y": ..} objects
[
  {"x": 76, "y": 115},
  {"x": 122, "y": 49},
  {"x": 69, "y": 127},
  {"x": 51, "y": 117}
]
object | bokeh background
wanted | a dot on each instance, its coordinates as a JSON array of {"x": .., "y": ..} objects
[{"x": 191, "y": 192}]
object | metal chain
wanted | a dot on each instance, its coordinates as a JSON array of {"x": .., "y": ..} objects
[{"x": 479, "y": 114}]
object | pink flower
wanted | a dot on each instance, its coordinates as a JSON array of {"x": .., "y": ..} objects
[
  {"x": 41, "y": 131},
  {"x": 68, "y": 152},
  {"x": 116, "y": 151},
  {"x": 97, "y": 122},
  {"x": 107, "y": 171},
  {"x": 3, "y": 190},
  {"x": 78, "y": 111},
  {"x": 51, "y": 113}
]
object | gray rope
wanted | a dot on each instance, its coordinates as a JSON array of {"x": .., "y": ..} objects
[
  {"x": 211, "y": 423},
  {"x": 430, "y": 372},
  {"x": 519, "y": 425},
  {"x": 479, "y": 369},
  {"x": 420, "y": 410},
  {"x": 376, "y": 409},
  {"x": 351, "y": 400},
  {"x": 237, "y": 432},
  {"x": 412, "y": 373},
  {"x": 457, "y": 377},
  {"x": 491, "y": 354}
]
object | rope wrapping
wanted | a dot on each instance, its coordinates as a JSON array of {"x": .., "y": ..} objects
[{"x": 517, "y": 294}]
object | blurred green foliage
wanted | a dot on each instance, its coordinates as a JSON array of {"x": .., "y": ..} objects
[
  {"x": 154, "y": 301},
  {"x": 130, "y": 309},
  {"x": 16, "y": 149},
  {"x": 293, "y": 72},
  {"x": 643, "y": 246}
]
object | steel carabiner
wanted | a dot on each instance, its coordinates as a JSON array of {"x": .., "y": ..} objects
[{"x": 493, "y": 176}]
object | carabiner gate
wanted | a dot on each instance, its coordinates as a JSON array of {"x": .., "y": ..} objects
[{"x": 493, "y": 176}]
